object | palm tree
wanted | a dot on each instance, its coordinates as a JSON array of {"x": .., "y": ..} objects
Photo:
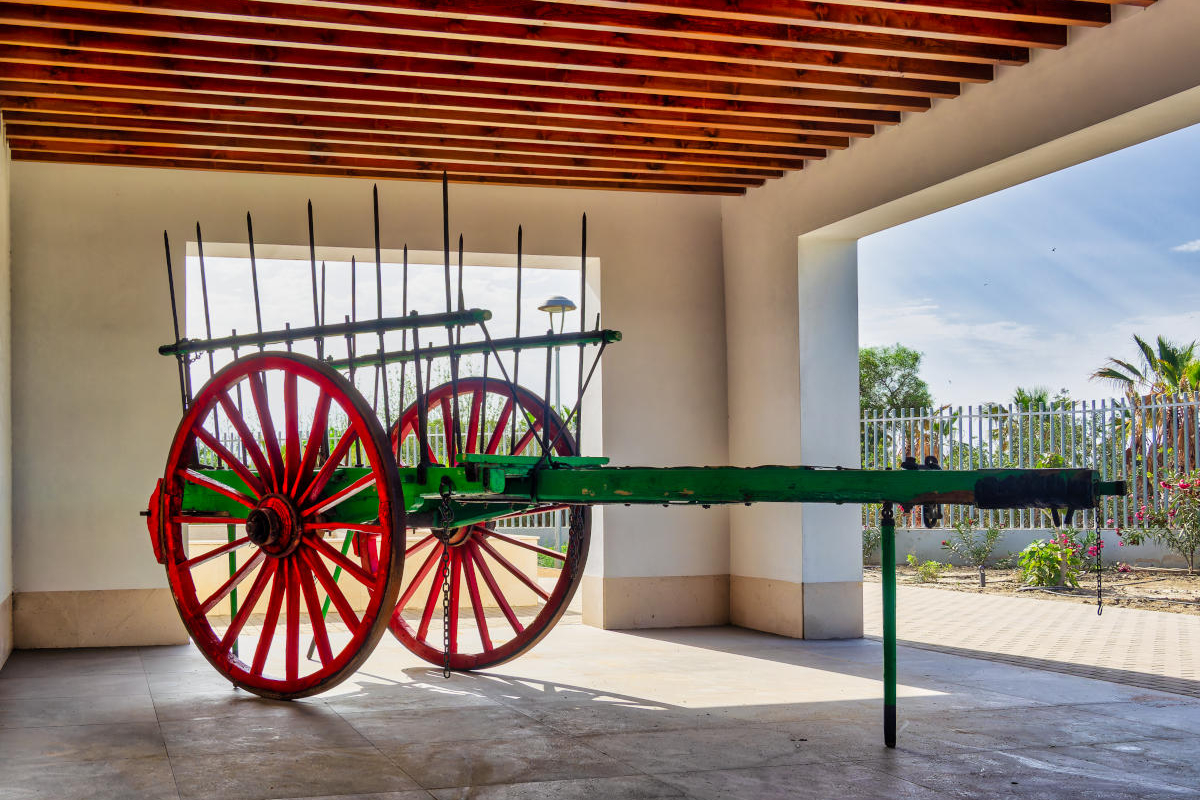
[
  {"x": 1171, "y": 368},
  {"x": 1163, "y": 369}
]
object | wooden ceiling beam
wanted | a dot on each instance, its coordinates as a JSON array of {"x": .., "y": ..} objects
[
  {"x": 267, "y": 137},
  {"x": 865, "y": 17},
  {"x": 345, "y": 172},
  {"x": 239, "y": 123},
  {"x": 467, "y": 79},
  {"x": 404, "y": 157},
  {"x": 1054, "y": 12},
  {"x": 687, "y": 126},
  {"x": 542, "y": 20},
  {"x": 611, "y": 69},
  {"x": 504, "y": 43},
  {"x": 286, "y": 83},
  {"x": 433, "y": 166}
]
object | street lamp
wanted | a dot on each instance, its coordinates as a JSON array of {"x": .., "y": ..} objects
[{"x": 557, "y": 305}]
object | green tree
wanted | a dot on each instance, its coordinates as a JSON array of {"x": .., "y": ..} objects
[{"x": 889, "y": 377}]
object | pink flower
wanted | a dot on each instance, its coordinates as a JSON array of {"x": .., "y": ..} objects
[
  {"x": 1171, "y": 514},
  {"x": 1164, "y": 484},
  {"x": 1185, "y": 486},
  {"x": 1110, "y": 522},
  {"x": 1121, "y": 543},
  {"x": 944, "y": 542}
]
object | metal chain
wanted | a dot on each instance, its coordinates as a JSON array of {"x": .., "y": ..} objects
[
  {"x": 1099, "y": 573},
  {"x": 447, "y": 519},
  {"x": 574, "y": 536}
]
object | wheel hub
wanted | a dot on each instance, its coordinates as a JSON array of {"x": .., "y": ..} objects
[{"x": 274, "y": 525}]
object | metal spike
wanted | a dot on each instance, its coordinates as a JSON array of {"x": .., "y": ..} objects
[
  {"x": 254, "y": 275},
  {"x": 184, "y": 394}
]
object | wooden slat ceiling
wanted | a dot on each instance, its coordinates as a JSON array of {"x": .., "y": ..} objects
[{"x": 661, "y": 95}]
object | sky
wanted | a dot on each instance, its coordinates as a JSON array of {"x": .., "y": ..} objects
[{"x": 1039, "y": 284}]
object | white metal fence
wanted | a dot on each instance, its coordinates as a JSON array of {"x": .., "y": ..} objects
[{"x": 1142, "y": 441}]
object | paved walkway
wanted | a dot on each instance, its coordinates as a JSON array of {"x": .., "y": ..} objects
[{"x": 1152, "y": 649}]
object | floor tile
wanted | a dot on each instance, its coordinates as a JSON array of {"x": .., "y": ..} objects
[
  {"x": 81, "y": 743},
  {"x": 261, "y": 774},
  {"x": 523, "y": 760},
  {"x": 634, "y": 787},
  {"x": 36, "y": 712},
  {"x": 414, "y": 726},
  {"x": 817, "y": 781},
  {"x": 141, "y": 778},
  {"x": 297, "y": 727}
]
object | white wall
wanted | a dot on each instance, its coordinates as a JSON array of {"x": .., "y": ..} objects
[
  {"x": 6, "y": 571},
  {"x": 1110, "y": 88},
  {"x": 95, "y": 406}
]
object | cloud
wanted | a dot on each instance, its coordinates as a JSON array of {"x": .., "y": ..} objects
[{"x": 1188, "y": 247}]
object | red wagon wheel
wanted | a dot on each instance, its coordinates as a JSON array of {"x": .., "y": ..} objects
[
  {"x": 498, "y": 608},
  {"x": 288, "y": 496}
]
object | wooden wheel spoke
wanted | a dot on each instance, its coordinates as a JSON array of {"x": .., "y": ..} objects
[
  {"x": 292, "y": 642},
  {"x": 524, "y": 441},
  {"x": 435, "y": 591},
  {"x": 315, "y": 618},
  {"x": 200, "y": 479},
  {"x": 517, "y": 573},
  {"x": 455, "y": 581},
  {"x": 258, "y": 391},
  {"x": 247, "y": 607},
  {"x": 493, "y": 445},
  {"x": 476, "y": 602},
  {"x": 231, "y": 584},
  {"x": 327, "y": 469},
  {"x": 243, "y": 430},
  {"x": 291, "y": 428},
  {"x": 233, "y": 462},
  {"x": 332, "y": 591},
  {"x": 494, "y": 588},
  {"x": 267, "y": 635},
  {"x": 340, "y": 496},
  {"x": 473, "y": 422},
  {"x": 418, "y": 545},
  {"x": 356, "y": 571},
  {"x": 411, "y": 589},
  {"x": 204, "y": 558},
  {"x": 518, "y": 543},
  {"x": 316, "y": 438}
]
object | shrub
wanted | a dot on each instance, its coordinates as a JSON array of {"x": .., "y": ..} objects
[
  {"x": 1051, "y": 563},
  {"x": 927, "y": 571},
  {"x": 870, "y": 540},
  {"x": 1176, "y": 527},
  {"x": 972, "y": 547}
]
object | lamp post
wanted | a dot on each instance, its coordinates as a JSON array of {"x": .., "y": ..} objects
[{"x": 557, "y": 305}]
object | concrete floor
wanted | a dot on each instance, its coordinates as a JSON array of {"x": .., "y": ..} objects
[{"x": 700, "y": 713}]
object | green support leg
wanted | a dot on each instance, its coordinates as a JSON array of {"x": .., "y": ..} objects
[
  {"x": 231, "y": 530},
  {"x": 887, "y": 530}
]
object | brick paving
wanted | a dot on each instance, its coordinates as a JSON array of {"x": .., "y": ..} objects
[{"x": 1151, "y": 649}]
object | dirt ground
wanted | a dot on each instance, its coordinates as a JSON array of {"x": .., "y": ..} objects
[{"x": 1153, "y": 589}]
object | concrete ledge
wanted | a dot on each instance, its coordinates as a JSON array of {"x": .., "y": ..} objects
[
  {"x": 6, "y": 628},
  {"x": 677, "y": 601},
  {"x": 833, "y": 610},
  {"x": 767, "y": 605},
  {"x": 109, "y": 618}
]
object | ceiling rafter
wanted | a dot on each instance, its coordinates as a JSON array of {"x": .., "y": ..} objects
[{"x": 659, "y": 95}]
